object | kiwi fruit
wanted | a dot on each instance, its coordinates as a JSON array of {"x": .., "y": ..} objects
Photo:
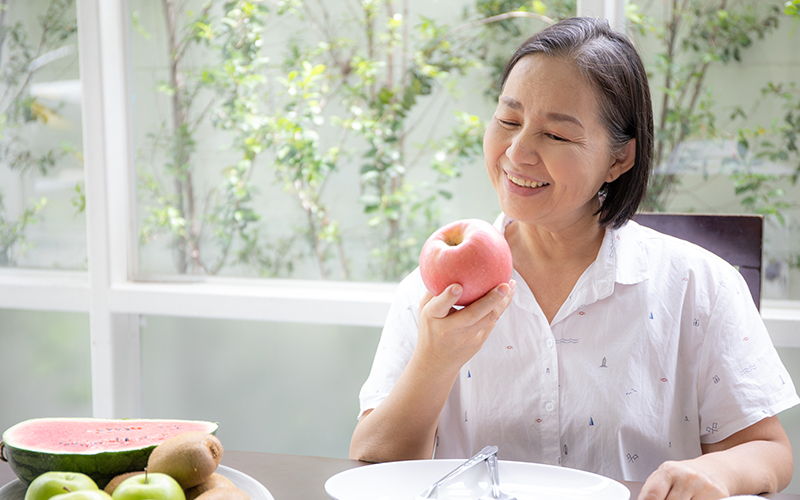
[
  {"x": 224, "y": 494},
  {"x": 112, "y": 485},
  {"x": 214, "y": 481},
  {"x": 190, "y": 458}
]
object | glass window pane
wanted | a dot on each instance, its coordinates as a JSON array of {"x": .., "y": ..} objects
[
  {"x": 273, "y": 387},
  {"x": 726, "y": 128},
  {"x": 46, "y": 366},
  {"x": 321, "y": 141},
  {"x": 42, "y": 224},
  {"x": 295, "y": 139}
]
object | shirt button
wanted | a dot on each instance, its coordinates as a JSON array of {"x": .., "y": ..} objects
[
  {"x": 549, "y": 342},
  {"x": 549, "y": 406}
]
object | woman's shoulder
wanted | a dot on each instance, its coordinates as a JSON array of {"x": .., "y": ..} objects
[
  {"x": 669, "y": 254},
  {"x": 667, "y": 245},
  {"x": 685, "y": 271}
]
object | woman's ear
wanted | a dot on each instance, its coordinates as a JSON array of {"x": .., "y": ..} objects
[{"x": 623, "y": 161}]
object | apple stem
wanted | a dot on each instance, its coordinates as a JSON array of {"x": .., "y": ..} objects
[
  {"x": 454, "y": 240},
  {"x": 145, "y": 475},
  {"x": 67, "y": 489}
]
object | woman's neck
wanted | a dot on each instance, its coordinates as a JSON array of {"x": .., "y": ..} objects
[
  {"x": 575, "y": 244},
  {"x": 551, "y": 263}
]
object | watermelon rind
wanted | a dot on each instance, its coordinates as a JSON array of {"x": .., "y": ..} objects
[{"x": 28, "y": 462}]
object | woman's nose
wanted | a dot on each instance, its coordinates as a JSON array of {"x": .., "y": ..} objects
[{"x": 522, "y": 150}]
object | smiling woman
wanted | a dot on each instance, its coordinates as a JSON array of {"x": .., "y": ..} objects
[
  {"x": 620, "y": 99},
  {"x": 568, "y": 153},
  {"x": 546, "y": 132}
]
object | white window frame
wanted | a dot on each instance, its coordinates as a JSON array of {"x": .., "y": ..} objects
[
  {"x": 114, "y": 301},
  {"x": 613, "y": 10}
]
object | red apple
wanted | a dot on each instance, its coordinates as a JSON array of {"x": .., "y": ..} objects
[{"x": 470, "y": 252}]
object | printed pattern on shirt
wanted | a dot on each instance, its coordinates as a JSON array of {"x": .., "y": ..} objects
[{"x": 646, "y": 295}]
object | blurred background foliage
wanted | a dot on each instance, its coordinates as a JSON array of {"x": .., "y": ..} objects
[
  {"x": 347, "y": 95},
  {"x": 23, "y": 51},
  {"x": 352, "y": 86}
]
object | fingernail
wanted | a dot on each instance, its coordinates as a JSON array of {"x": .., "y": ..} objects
[
  {"x": 502, "y": 290},
  {"x": 456, "y": 289},
  {"x": 512, "y": 285}
]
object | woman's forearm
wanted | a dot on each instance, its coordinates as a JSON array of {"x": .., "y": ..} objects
[
  {"x": 403, "y": 426},
  {"x": 750, "y": 468},
  {"x": 755, "y": 460}
]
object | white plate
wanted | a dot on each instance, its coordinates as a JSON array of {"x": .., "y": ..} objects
[
  {"x": 526, "y": 481},
  {"x": 253, "y": 488},
  {"x": 15, "y": 490}
]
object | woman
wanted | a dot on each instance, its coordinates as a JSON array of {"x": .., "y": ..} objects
[{"x": 614, "y": 349}]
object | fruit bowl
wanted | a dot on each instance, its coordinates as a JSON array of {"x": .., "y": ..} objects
[{"x": 15, "y": 490}]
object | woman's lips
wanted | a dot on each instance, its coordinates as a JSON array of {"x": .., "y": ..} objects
[{"x": 525, "y": 183}]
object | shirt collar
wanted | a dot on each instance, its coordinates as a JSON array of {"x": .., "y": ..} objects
[
  {"x": 622, "y": 259},
  {"x": 630, "y": 254}
]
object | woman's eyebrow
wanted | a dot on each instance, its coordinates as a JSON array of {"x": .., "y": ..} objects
[
  {"x": 511, "y": 102},
  {"x": 552, "y": 116},
  {"x": 560, "y": 117}
]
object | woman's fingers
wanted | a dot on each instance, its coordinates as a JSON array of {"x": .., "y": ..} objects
[
  {"x": 440, "y": 306},
  {"x": 680, "y": 481},
  {"x": 492, "y": 305},
  {"x": 453, "y": 336}
]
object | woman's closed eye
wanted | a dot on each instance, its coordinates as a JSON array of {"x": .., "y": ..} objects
[
  {"x": 507, "y": 123},
  {"x": 513, "y": 124},
  {"x": 556, "y": 138}
]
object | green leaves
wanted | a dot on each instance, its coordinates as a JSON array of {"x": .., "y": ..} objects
[
  {"x": 695, "y": 36},
  {"x": 13, "y": 244},
  {"x": 759, "y": 195},
  {"x": 344, "y": 98},
  {"x": 79, "y": 200},
  {"x": 21, "y": 115},
  {"x": 463, "y": 145},
  {"x": 792, "y": 8},
  {"x": 760, "y": 192}
]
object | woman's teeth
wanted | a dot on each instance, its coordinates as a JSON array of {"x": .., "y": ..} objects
[{"x": 525, "y": 183}]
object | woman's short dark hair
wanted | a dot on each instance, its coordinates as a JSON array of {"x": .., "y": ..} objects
[{"x": 612, "y": 66}]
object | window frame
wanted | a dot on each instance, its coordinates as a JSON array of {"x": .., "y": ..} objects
[{"x": 115, "y": 302}]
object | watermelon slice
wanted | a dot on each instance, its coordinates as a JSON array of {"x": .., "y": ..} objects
[{"x": 99, "y": 448}]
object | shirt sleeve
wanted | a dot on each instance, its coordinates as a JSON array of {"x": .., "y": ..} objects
[
  {"x": 741, "y": 377},
  {"x": 397, "y": 343}
]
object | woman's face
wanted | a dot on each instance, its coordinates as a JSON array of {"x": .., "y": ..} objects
[{"x": 547, "y": 154}]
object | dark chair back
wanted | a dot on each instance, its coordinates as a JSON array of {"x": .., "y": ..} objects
[{"x": 736, "y": 238}]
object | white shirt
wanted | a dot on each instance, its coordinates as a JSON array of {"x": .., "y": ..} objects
[{"x": 658, "y": 348}]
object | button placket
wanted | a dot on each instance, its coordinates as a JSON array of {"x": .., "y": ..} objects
[{"x": 551, "y": 433}]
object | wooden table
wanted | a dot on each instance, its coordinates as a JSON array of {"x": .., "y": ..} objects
[{"x": 295, "y": 477}]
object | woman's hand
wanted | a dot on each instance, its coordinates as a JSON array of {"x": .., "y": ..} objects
[
  {"x": 681, "y": 481},
  {"x": 404, "y": 425},
  {"x": 757, "y": 459},
  {"x": 450, "y": 337}
]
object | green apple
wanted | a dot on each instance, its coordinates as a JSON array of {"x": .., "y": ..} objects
[
  {"x": 55, "y": 483},
  {"x": 84, "y": 495},
  {"x": 151, "y": 486}
]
